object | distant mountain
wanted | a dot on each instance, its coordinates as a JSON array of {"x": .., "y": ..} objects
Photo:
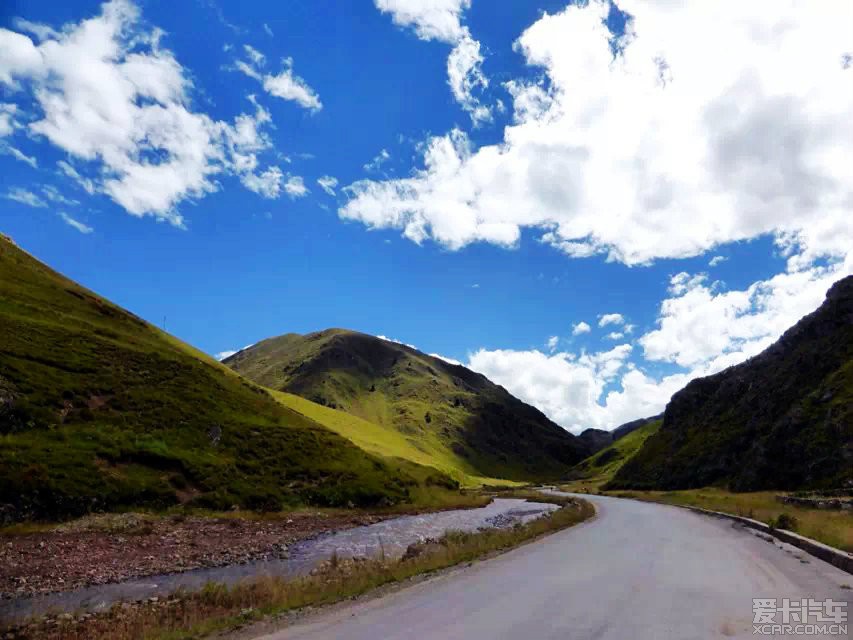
[
  {"x": 629, "y": 427},
  {"x": 781, "y": 420},
  {"x": 101, "y": 410},
  {"x": 597, "y": 439},
  {"x": 600, "y": 468},
  {"x": 466, "y": 424}
]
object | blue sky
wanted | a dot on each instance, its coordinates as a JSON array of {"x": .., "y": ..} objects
[{"x": 501, "y": 174}]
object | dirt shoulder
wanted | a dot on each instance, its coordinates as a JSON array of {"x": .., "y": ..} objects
[{"x": 115, "y": 547}]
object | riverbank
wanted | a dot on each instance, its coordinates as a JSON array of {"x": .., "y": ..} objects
[
  {"x": 37, "y": 559},
  {"x": 217, "y": 608}
]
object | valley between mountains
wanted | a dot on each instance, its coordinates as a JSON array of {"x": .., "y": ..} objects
[{"x": 118, "y": 440}]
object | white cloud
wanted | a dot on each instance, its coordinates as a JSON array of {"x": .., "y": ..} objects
[
  {"x": 552, "y": 343},
  {"x": 53, "y": 194},
  {"x": 580, "y": 327},
  {"x": 615, "y": 335},
  {"x": 381, "y": 158},
  {"x": 267, "y": 183},
  {"x": 25, "y": 197},
  {"x": 256, "y": 56},
  {"x": 110, "y": 95},
  {"x": 707, "y": 150},
  {"x": 85, "y": 183},
  {"x": 567, "y": 388},
  {"x": 610, "y": 318},
  {"x": 7, "y": 119},
  {"x": 268, "y": 30},
  {"x": 713, "y": 262},
  {"x": 230, "y": 352},
  {"x": 387, "y": 339},
  {"x": 285, "y": 85},
  {"x": 18, "y": 154},
  {"x": 442, "y": 20},
  {"x": 445, "y": 358},
  {"x": 328, "y": 184},
  {"x": 76, "y": 224},
  {"x": 702, "y": 328},
  {"x": 295, "y": 187}
]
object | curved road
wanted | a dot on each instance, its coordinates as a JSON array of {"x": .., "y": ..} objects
[{"x": 638, "y": 570}]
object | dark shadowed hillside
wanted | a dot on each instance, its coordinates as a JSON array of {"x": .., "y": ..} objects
[
  {"x": 456, "y": 415},
  {"x": 100, "y": 410},
  {"x": 781, "y": 420}
]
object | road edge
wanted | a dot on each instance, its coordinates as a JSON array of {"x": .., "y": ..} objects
[{"x": 836, "y": 557}]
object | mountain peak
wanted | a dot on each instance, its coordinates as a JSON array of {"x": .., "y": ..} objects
[{"x": 468, "y": 421}]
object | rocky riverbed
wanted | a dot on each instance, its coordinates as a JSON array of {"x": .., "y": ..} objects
[{"x": 112, "y": 548}]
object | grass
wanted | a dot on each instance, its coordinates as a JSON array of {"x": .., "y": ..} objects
[
  {"x": 418, "y": 407},
  {"x": 100, "y": 410},
  {"x": 389, "y": 443},
  {"x": 831, "y": 527},
  {"x": 598, "y": 469},
  {"x": 218, "y": 608}
]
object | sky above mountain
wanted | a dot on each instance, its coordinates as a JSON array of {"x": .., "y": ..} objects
[{"x": 590, "y": 203}]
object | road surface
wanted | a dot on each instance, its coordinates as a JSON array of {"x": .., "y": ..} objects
[{"x": 638, "y": 570}]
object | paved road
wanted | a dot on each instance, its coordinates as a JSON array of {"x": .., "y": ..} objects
[{"x": 638, "y": 570}]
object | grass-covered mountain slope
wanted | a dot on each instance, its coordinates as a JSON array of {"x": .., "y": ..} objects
[
  {"x": 600, "y": 468},
  {"x": 455, "y": 417},
  {"x": 99, "y": 410},
  {"x": 781, "y": 420},
  {"x": 598, "y": 439}
]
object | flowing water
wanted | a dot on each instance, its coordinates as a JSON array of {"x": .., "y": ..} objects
[{"x": 390, "y": 537}]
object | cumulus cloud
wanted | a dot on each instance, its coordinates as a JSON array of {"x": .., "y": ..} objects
[
  {"x": 610, "y": 318},
  {"x": 328, "y": 184},
  {"x": 701, "y": 329},
  {"x": 295, "y": 187},
  {"x": 580, "y": 328},
  {"x": 567, "y": 388},
  {"x": 76, "y": 224},
  {"x": 552, "y": 343},
  {"x": 285, "y": 84},
  {"x": 109, "y": 95},
  {"x": 706, "y": 149},
  {"x": 615, "y": 335},
  {"x": 716, "y": 260},
  {"x": 441, "y": 20}
]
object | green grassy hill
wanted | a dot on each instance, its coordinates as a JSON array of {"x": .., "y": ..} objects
[
  {"x": 101, "y": 410},
  {"x": 418, "y": 405},
  {"x": 601, "y": 467},
  {"x": 780, "y": 420}
]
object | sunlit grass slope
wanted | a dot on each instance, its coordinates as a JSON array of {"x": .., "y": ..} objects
[
  {"x": 463, "y": 422},
  {"x": 601, "y": 467},
  {"x": 101, "y": 410},
  {"x": 386, "y": 442}
]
